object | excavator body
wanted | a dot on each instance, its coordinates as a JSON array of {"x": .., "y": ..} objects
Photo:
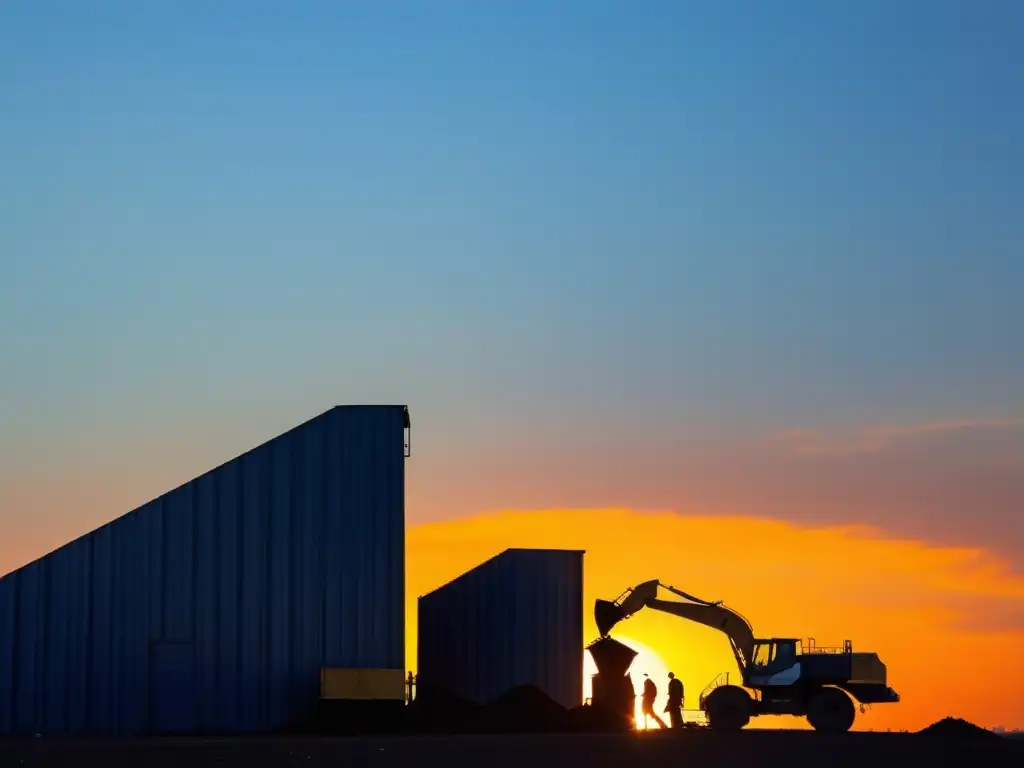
[{"x": 780, "y": 676}]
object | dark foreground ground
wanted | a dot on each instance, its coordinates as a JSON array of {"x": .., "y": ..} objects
[{"x": 651, "y": 750}]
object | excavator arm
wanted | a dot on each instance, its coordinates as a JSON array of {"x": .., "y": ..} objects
[{"x": 712, "y": 614}]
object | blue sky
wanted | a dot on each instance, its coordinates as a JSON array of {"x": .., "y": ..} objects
[{"x": 569, "y": 221}]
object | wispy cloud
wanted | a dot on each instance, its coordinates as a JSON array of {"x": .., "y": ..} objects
[{"x": 878, "y": 438}]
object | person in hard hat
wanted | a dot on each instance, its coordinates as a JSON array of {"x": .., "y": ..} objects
[
  {"x": 675, "y": 700},
  {"x": 650, "y": 694}
]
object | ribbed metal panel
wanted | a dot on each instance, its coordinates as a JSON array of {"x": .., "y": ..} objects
[
  {"x": 215, "y": 606},
  {"x": 516, "y": 619}
]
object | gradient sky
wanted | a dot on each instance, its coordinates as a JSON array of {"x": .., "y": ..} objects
[{"x": 737, "y": 258}]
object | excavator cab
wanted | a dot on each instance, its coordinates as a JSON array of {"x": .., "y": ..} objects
[{"x": 774, "y": 655}]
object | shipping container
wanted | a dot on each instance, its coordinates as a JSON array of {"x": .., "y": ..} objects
[
  {"x": 516, "y": 619},
  {"x": 215, "y": 607}
]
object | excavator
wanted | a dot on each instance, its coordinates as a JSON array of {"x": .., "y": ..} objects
[{"x": 780, "y": 676}]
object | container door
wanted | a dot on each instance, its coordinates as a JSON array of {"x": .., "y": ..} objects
[{"x": 172, "y": 688}]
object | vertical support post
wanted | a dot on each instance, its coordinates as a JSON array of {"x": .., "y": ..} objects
[{"x": 410, "y": 684}]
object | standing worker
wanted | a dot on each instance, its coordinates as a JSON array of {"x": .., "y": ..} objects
[
  {"x": 675, "y": 700},
  {"x": 650, "y": 694}
]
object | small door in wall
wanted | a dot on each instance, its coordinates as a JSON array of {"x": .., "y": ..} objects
[{"x": 172, "y": 688}]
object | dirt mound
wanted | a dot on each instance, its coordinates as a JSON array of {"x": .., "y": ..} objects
[
  {"x": 523, "y": 709},
  {"x": 957, "y": 728},
  {"x": 436, "y": 708}
]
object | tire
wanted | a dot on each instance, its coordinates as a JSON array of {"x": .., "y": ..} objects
[
  {"x": 728, "y": 708},
  {"x": 831, "y": 710}
]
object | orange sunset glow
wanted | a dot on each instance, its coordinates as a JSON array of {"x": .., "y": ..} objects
[{"x": 938, "y": 616}]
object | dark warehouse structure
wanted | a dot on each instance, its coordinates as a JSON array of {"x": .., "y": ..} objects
[
  {"x": 516, "y": 619},
  {"x": 218, "y": 606}
]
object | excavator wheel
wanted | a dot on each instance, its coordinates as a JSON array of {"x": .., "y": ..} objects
[
  {"x": 831, "y": 710},
  {"x": 728, "y": 708}
]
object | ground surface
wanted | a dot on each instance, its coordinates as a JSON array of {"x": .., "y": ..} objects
[{"x": 652, "y": 750}]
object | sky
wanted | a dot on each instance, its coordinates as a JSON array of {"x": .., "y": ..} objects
[{"x": 730, "y": 262}]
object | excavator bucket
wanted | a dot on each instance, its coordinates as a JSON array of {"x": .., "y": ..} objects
[{"x": 607, "y": 614}]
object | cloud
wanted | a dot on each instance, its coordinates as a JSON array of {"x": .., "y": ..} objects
[
  {"x": 956, "y": 481},
  {"x": 988, "y": 614},
  {"x": 875, "y": 439}
]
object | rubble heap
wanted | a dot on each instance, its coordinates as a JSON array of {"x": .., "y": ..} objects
[{"x": 955, "y": 727}]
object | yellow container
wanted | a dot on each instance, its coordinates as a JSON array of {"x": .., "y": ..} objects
[{"x": 362, "y": 684}]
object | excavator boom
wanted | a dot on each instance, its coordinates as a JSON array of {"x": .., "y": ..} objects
[{"x": 712, "y": 614}]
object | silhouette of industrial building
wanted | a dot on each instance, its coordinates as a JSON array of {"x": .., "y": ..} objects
[
  {"x": 218, "y": 606},
  {"x": 514, "y": 620}
]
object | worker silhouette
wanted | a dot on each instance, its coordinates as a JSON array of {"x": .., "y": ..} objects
[
  {"x": 675, "y": 701},
  {"x": 650, "y": 694}
]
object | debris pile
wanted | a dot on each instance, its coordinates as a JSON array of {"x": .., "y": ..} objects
[
  {"x": 437, "y": 709},
  {"x": 524, "y": 708},
  {"x": 957, "y": 728}
]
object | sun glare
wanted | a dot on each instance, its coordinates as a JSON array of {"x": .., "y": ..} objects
[{"x": 647, "y": 662}]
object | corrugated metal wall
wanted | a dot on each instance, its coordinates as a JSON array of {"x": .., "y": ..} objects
[
  {"x": 214, "y": 607},
  {"x": 516, "y": 619}
]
